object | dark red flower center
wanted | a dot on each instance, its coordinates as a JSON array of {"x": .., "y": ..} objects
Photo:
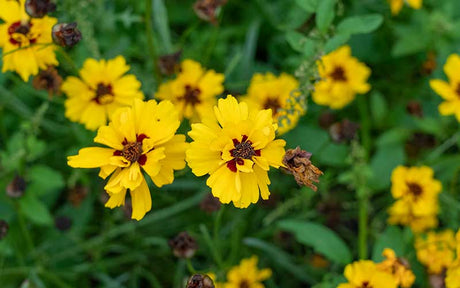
[
  {"x": 132, "y": 151},
  {"x": 415, "y": 189},
  {"x": 244, "y": 284},
  {"x": 458, "y": 90},
  {"x": 366, "y": 285},
  {"x": 191, "y": 96},
  {"x": 20, "y": 28},
  {"x": 338, "y": 74},
  {"x": 104, "y": 94},
  {"x": 243, "y": 150},
  {"x": 272, "y": 103}
]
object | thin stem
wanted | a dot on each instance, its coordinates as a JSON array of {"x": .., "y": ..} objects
[
  {"x": 217, "y": 222},
  {"x": 362, "y": 235},
  {"x": 24, "y": 230},
  {"x": 150, "y": 40},
  {"x": 69, "y": 60},
  {"x": 214, "y": 252},
  {"x": 365, "y": 124},
  {"x": 443, "y": 147},
  {"x": 190, "y": 268}
]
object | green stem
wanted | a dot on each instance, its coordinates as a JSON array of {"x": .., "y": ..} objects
[
  {"x": 212, "y": 248},
  {"x": 217, "y": 222},
  {"x": 362, "y": 235},
  {"x": 150, "y": 40},
  {"x": 443, "y": 147},
  {"x": 69, "y": 60},
  {"x": 190, "y": 268},
  {"x": 24, "y": 230},
  {"x": 365, "y": 124}
]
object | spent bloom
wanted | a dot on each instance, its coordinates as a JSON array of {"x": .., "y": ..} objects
[
  {"x": 449, "y": 91},
  {"x": 396, "y": 5},
  {"x": 365, "y": 273},
  {"x": 236, "y": 148},
  {"x": 416, "y": 193},
  {"x": 26, "y": 42},
  {"x": 342, "y": 77},
  {"x": 268, "y": 91},
  {"x": 247, "y": 275},
  {"x": 193, "y": 91},
  {"x": 140, "y": 138},
  {"x": 436, "y": 250},
  {"x": 101, "y": 89},
  {"x": 398, "y": 267}
]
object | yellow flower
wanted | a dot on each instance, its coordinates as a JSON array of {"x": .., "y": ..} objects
[
  {"x": 26, "y": 43},
  {"x": 398, "y": 267},
  {"x": 364, "y": 273},
  {"x": 342, "y": 76},
  {"x": 141, "y": 136},
  {"x": 417, "y": 197},
  {"x": 396, "y": 5},
  {"x": 436, "y": 251},
  {"x": 279, "y": 94},
  {"x": 453, "y": 272},
  {"x": 101, "y": 89},
  {"x": 194, "y": 90},
  {"x": 449, "y": 91},
  {"x": 236, "y": 148},
  {"x": 247, "y": 275}
]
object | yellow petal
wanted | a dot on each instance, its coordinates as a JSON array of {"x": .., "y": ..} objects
[
  {"x": 152, "y": 165},
  {"x": 443, "y": 89},
  {"x": 141, "y": 200},
  {"x": 116, "y": 200},
  {"x": 91, "y": 157},
  {"x": 109, "y": 136}
]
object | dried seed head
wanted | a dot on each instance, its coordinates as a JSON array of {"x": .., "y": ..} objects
[
  {"x": 66, "y": 35},
  {"x": 207, "y": 9},
  {"x": 414, "y": 108},
  {"x": 39, "y": 8},
  {"x": 418, "y": 142},
  {"x": 210, "y": 203},
  {"x": 4, "y": 227},
  {"x": 343, "y": 131},
  {"x": 326, "y": 119},
  {"x": 183, "y": 245},
  {"x": 169, "y": 64},
  {"x": 200, "y": 281},
  {"x": 77, "y": 195},
  {"x": 62, "y": 223},
  {"x": 430, "y": 64},
  {"x": 437, "y": 280},
  {"x": 48, "y": 80},
  {"x": 16, "y": 187},
  {"x": 297, "y": 162}
]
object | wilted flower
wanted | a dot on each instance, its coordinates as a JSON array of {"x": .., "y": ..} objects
[
  {"x": 183, "y": 245},
  {"x": 16, "y": 187},
  {"x": 200, "y": 281},
  {"x": 210, "y": 203},
  {"x": 48, "y": 80},
  {"x": 39, "y": 8},
  {"x": 169, "y": 64},
  {"x": 66, "y": 34},
  {"x": 430, "y": 63},
  {"x": 414, "y": 108},
  {"x": 343, "y": 131},
  {"x": 297, "y": 162},
  {"x": 4, "y": 227},
  {"x": 77, "y": 194},
  {"x": 207, "y": 9},
  {"x": 365, "y": 273}
]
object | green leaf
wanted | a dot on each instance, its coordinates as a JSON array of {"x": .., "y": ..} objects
[
  {"x": 393, "y": 136},
  {"x": 44, "y": 179},
  {"x": 300, "y": 43},
  {"x": 160, "y": 20},
  {"x": 325, "y": 14},
  {"x": 35, "y": 210},
  {"x": 321, "y": 238},
  {"x": 333, "y": 155},
  {"x": 308, "y": 5},
  {"x": 382, "y": 164},
  {"x": 335, "y": 42},
  {"x": 309, "y": 138},
  {"x": 379, "y": 107},
  {"x": 360, "y": 24}
]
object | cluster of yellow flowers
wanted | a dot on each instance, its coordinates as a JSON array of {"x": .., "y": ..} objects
[
  {"x": 396, "y": 5},
  {"x": 390, "y": 273}
]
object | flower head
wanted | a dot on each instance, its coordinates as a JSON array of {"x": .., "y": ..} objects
[
  {"x": 101, "y": 89},
  {"x": 449, "y": 91},
  {"x": 396, "y": 5},
  {"x": 279, "y": 94},
  {"x": 194, "y": 90},
  {"x": 140, "y": 138},
  {"x": 453, "y": 272},
  {"x": 342, "y": 76},
  {"x": 365, "y": 273},
  {"x": 436, "y": 250},
  {"x": 399, "y": 267},
  {"x": 247, "y": 275},
  {"x": 236, "y": 148},
  {"x": 26, "y": 42}
]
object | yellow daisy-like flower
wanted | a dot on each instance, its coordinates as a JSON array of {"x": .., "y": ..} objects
[
  {"x": 396, "y": 5},
  {"x": 436, "y": 250},
  {"x": 416, "y": 192},
  {"x": 398, "y": 267},
  {"x": 236, "y": 148},
  {"x": 26, "y": 42},
  {"x": 279, "y": 94},
  {"x": 101, "y": 89},
  {"x": 449, "y": 91},
  {"x": 247, "y": 275},
  {"x": 193, "y": 91},
  {"x": 365, "y": 273},
  {"x": 453, "y": 272},
  {"x": 141, "y": 136},
  {"x": 342, "y": 77}
]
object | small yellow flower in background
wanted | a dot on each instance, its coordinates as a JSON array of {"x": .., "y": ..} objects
[
  {"x": 449, "y": 91},
  {"x": 236, "y": 148},
  {"x": 26, "y": 42},
  {"x": 267, "y": 91},
  {"x": 247, "y": 275},
  {"x": 396, "y": 5},
  {"x": 398, "y": 267},
  {"x": 342, "y": 77},
  {"x": 193, "y": 91},
  {"x": 101, "y": 89},
  {"x": 453, "y": 272},
  {"x": 416, "y": 193},
  {"x": 436, "y": 251},
  {"x": 141, "y": 136},
  {"x": 365, "y": 273}
]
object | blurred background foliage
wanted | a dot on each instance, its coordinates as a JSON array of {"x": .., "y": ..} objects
[{"x": 306, "y": 238}]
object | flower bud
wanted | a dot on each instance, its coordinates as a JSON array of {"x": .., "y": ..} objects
[
  {"x": 16, "y": 187},
  {"x": 183, "y": 245},
  {"x": 4, "y": 227},
  {"x": 343, "y": 131},
  {"x": 210, "y": 204},
  {"x": 200, "y": 281},
  {"x": 66, "y": 35},
  {"x": 39, "y": 8},
  {"x": 48, "y": 80},
  {"x": 297, "y": 162},
  {"x": 169, "y": 64}
]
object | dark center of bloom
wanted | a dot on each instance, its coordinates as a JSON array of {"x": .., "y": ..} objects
[
  {"x": 132, "y": 151},
  {"x": 366, "y": 285},
  {"x": 191, "y": 96},
  {"x": 243, "y": 150},
  {"x": 415, "y": 189},
  {"x": 338, "y": 74},
  {"x": 244, "y": 284},
  {"x": 458, "y": 90},
  {"x": 20, "y": 28},
  {"x": 272, "y": 103},
  {"x": 104, "y": 94}
]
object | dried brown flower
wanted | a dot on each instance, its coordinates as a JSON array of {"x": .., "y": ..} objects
[
  {"x": 343, "y": 131},
  {"x": 169, "y": 63},
  {"x": 39, "y": 8},
  {"x": 326, "y": 119},
  {"x": 66, "y": 35},
  {"x": 207, "y": 9},
  {"x": 48, "y": 80},
  {"x": 430, "y": 64},
  {"x": 419, "y": 142},
  {"x": 77, "y": 194},
  {"x": 297, "y": 162},
  {"x": 200, "y": 281},
  {"x": 210, "y": 203},
  {"x": 4, "y": 227},
  {"x": 437, "y": 280},
  {"x": 414, "y": 108},
  {"x": 16, "y": 187},
  {"x": 183, "y": 245}
]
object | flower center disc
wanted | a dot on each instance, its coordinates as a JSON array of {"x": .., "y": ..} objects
[
  {"x": 20, "y": 28},
  {"x": 192, "y": 95},
  {"x": 132, "y": 151},
  {"x": 458, "y": 90},
  {"x": 244, "y": 284},
  {"x": 415, "y": 189},
  {"x": 243, "y": 150},
  {"x": 272, "y": 103},
  {"x": 104, "y": 94},
  {"x": 338, "y": 74}
]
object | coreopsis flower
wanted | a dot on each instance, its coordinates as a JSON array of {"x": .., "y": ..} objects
[
  {"x": 396, "y": 5},
  {"x": 101, "y": 89},
  {"x": 342, "y": 77},
  {"x": 236, "y": 148},
  {"x": 453, "y": 272},
  {"x": 193, "y": 91},
  {"x": 247, "y": 275},
  {"x": 365, "y": 273},
  {"x": 140, "y": 138},
  {"x": 416, "y": 192},
  {"x": 26, "y": 42},
  {"x": 436, "y": 251},
  {"x": 399, "y": 267},
  {"x": 280, "y": 94},
  {"x": 449, "y": 91}
]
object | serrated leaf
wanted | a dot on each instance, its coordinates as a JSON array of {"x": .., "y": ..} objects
[
  {"x": 360, "y": 24},
  {"x": 325, "y": 14},
  {"x": 35, "y": 210},
  {"x": 322, "y": 239},
  {"x": 308, "y": 5}
]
